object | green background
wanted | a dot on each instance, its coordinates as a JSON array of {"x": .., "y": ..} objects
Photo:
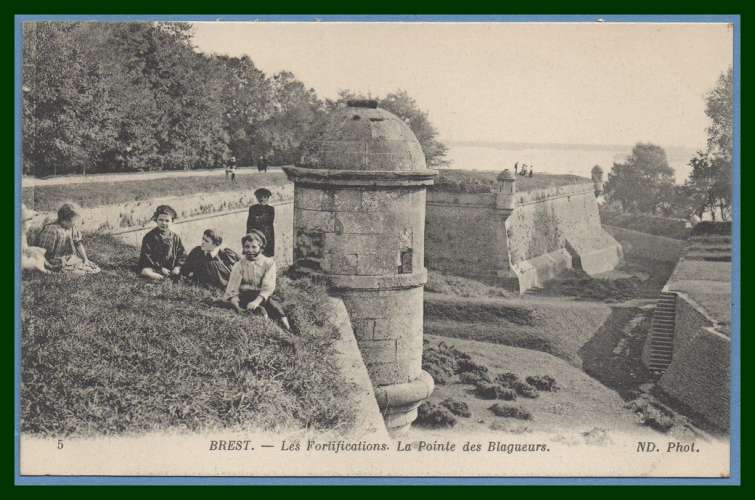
[{"x": 599, "y": 9}]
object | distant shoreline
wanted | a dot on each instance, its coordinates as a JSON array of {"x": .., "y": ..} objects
[{"x": 618, "y": 148}]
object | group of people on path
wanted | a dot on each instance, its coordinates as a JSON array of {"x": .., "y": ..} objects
[
  {"x": 248, "y": 281},
  {"x": 524, "y": 170},
  {"x": 230, "y": 168}
]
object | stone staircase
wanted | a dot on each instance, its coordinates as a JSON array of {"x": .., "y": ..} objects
[{"x": 662, "y": 333}]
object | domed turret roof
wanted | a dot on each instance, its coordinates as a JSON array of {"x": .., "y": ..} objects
[{"x": 362, "y": 136}]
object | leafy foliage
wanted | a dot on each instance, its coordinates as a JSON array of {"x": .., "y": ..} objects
[
  {"x": 643, "y": 182},
  {"x": 709, "y": 184},
  {"x": 100, "y": 97}
]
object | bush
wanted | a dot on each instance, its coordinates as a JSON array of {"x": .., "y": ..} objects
[
  {"x": 507, "y": 379},
  {"x": 434, "y": 416},
  {"x": 494, "y": 391},
  {"x": 458, "y": 408},
  {"x": 525, "y": 390},
  {"x": 474, "y": 378},
  {"x": 543, "y": 383},
  {"x": 510, "y": 411},
  {"x": 650, "y": 414}
]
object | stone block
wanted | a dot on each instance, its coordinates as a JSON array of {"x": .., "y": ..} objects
[
  {"x": 343, "y": 263},
  {"x": 387, "y": 328},
  {"x": 363, "y": 328},
  {"x": 383, "y": 373},
  {"x": 351, "y": 243},
  {"x": 359, "y": 223},
  {"x": 308, "y": 199},
  {"x": 378, "y": 351},
  {"x": 373, "y": 264},
  {"x": 347, "y": 200},
  {"x": 315, "y": 221},
  {"x": 409, "y": 347},
  {"x": 374, "y": 200}
]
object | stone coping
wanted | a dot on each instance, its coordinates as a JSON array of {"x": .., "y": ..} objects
[
  {"x": 408, "y": 393},
  {"x": 356, "y": 282},
  {"x": 360, "y": 178}
]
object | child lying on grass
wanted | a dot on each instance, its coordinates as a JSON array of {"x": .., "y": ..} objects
[
  {"x": 209, "y": 265},
  {"x": 162, "y": 251},
  {"x": 252, "y": 281}
]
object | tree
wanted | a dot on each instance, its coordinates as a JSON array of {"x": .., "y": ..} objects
[
  {"x": 643, "y": 182},
  {"x": 709, "y": 183},
  {"x": 297, "y": 112}
]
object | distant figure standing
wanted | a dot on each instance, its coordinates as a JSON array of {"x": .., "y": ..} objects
[
  {"x": 232, "y": 168},
  {"x": 523, "y": 170},
  {"x": 530, "y": 173},
  {"x": 262, "y": 164},
  {"x": 262, "y": 218},
  {"x": 516, "y": 168}
]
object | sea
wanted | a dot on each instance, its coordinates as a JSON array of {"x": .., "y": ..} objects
[{"x": 572, "y": 159}]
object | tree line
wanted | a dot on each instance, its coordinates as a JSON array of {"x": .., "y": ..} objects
[
  {"x": 644, "y": 182},
  {"x": 107, "y": 97}
]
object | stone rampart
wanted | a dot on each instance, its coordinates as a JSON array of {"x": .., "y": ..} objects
[{"x": 528, "y": 237}]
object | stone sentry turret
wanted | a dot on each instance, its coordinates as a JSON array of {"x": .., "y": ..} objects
[{"x": 359, "y": 222}]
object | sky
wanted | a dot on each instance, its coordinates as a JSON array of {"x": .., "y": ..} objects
[{"x": 577, "y": 83}]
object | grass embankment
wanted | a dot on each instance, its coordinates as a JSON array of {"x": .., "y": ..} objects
[
  {"x": 478, "y": 181},
  {"x": 111, "y": 354},
  {"x": 95, "y": 194},
  {"x": 635, "y": 278},
  {"x": 659, "y": 226},
  {"x": 560, "y": 328}
]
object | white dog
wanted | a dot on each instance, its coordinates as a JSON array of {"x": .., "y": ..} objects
[{"x": 32, "y": 258}]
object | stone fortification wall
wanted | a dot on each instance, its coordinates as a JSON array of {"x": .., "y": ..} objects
[
  {"x": 531, "y": 238},
  {"x": 461, "y": 234},
  {"x": 699, "y": 375},
  {"x": 561, "y": 218}
]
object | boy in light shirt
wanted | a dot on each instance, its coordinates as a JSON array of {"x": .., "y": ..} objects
[{"x": 252, "y": 281}]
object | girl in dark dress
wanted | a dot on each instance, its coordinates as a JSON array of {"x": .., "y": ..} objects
[
  {"x": 162, "y": 251},
  {"x": 208, "y": 264},
  {"x": 262, "y": 218}
]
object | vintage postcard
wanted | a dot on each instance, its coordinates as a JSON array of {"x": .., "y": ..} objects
[{"x": 270, "y": 249}]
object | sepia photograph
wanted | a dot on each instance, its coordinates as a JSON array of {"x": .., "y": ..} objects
[{"x": 288, "y": 250}]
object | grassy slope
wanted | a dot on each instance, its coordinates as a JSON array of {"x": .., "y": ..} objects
[
  {"x": 95, "y": 194},
  {"x": 110, "y": 353},
  {"x": 560, "y": 328}
]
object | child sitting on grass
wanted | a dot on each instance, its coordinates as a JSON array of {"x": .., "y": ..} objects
[
  {"x": 62, "y": 241},
  {"x": 208, "y": 264},
  {"x": 252, "y": 281},
  {"x": 162, "y": 251}
]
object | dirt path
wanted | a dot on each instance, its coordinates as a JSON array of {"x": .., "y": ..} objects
[{"x": 134, "y": 176}]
